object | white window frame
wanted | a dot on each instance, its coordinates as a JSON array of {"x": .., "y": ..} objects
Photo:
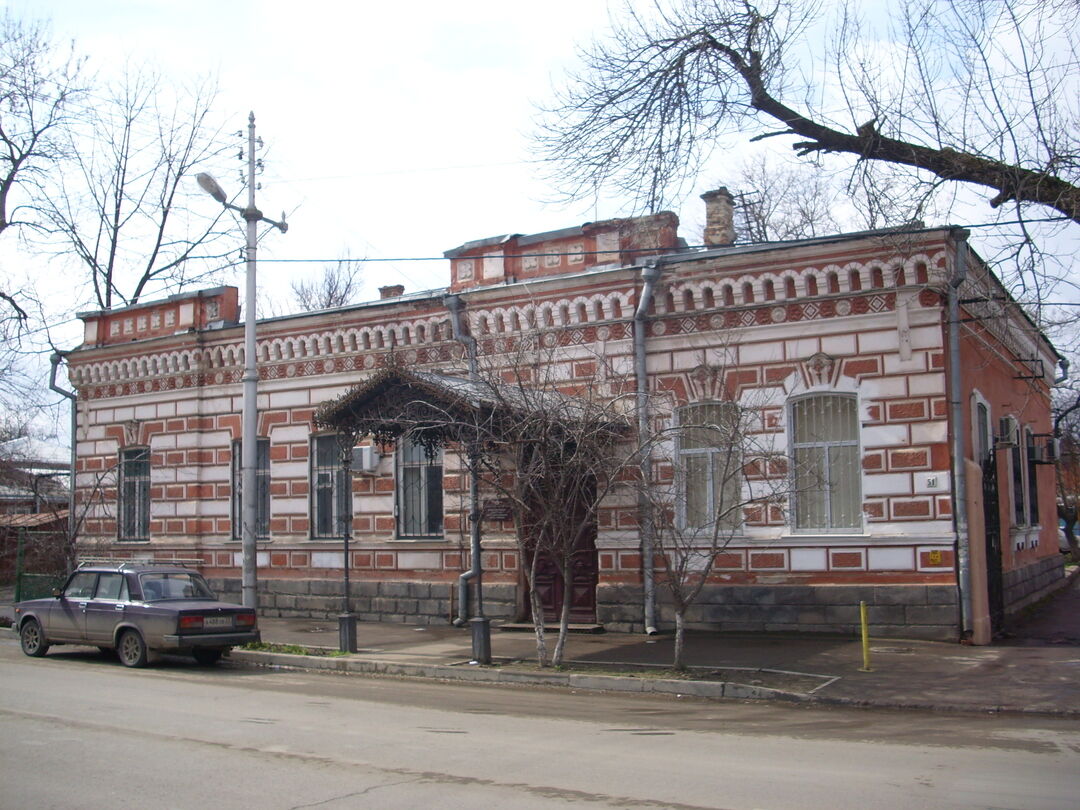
[
  {"x": 262, "y": 484},
  {"x": 335, "y": 480},
  {"x": 133, "y": 496},
  {"x": 687, "y": 450},
  {"x": 828, "y": 448},
  {"x": 981, "y": 439},
  {"x": 418, "y": 492}
]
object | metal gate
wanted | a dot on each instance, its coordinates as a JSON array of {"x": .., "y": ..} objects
[{"x": 995, "y": 586}]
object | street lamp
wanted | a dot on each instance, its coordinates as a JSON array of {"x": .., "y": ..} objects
[{"x": 249, "y": 414}]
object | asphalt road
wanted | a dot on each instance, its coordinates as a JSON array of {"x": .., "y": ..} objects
[{"x": 80, "y": 731}]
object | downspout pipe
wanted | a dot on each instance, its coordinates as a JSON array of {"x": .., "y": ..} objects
[
  {"x": 55, "y": 359},
  {"x": 1064, "y": 375},
  {"x": 956, "y": 405},
  {"x": 650, "y": 274},
  {"x": 454, "y": 304}
]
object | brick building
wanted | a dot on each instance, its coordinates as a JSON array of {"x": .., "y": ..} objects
[{"x": 891, "y": 367}]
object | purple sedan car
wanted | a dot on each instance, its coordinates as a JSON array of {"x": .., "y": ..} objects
[{"x": 138, "y": 610}]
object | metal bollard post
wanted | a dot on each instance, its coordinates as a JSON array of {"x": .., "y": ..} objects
[
  {"x": 865, "y": 639},
  {"x": 481, "y": 639},
  {"x": 347, "y": 632}
]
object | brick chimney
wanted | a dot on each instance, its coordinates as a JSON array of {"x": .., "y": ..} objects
[
  {"x": 391, "y": 291},
  {"x": 719, "y": 218}
]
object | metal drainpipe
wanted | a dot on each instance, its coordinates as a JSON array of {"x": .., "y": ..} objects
[
  {"x": 453, "y": 303},
  {"x": 960, "y": 522},
  {"x": 55, "y": 360},
  {"x": 1064, "y": 375},
  {"x": 650, "y": 274}
]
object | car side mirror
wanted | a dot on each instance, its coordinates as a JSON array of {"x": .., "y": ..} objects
[{"x": 57, "y": 593}]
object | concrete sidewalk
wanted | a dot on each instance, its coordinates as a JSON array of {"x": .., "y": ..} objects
[{"x": 1035, "y": 669}]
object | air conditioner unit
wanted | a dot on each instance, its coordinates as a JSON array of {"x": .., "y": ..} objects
[
  {"x": 1008, "y": 433},
  {"x": 1044, "y": 450},
  {"x": 365, "y": 460},
  {"x": 1037, "y": 453}
]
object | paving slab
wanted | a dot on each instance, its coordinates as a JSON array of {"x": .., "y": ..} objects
[{"x": 1035, "y": 667}]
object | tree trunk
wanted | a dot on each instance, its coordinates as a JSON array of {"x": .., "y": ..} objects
[
  {"x": 680, "y": 635},
  {"x": 537, "y": 614},
  {"x": 564, "y": 624}
]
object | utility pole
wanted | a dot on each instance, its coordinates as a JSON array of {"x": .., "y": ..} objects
[{"x": 249, "y": 413}]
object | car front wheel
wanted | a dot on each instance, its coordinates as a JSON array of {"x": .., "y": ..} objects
[
  {"x": 207, "y": 656},
  {"x": 132, "y": 649},
  {"x": 32, "y": 639}
]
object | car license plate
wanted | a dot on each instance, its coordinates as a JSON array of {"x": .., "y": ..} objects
[{"x": 217, "y": 621}]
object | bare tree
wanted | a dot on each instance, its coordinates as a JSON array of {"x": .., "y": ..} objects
[
  {"x": 41, "y": 83},
  {"x": 779, "y": 202},
  {"x": 552, "y": 450},
  {"x": 973, "y": 92},
  {"x": 338, "y": 286},
  {"x": 120, "y": 206},
  {"x": 715, "y": 469},
  {"x": 1067, "y": 431},
  {"x": 564, "y": 449}
]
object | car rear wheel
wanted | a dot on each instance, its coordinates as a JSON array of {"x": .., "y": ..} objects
[
  {"x": 32, "y": 639},
  {"x": 132, "y": 649},
  {"x": 207, "y": 656}
]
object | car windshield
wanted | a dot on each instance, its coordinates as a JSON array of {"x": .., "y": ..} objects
[{"x": 174, "y": 586}]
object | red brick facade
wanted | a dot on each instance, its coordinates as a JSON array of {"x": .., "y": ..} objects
[{"x": 863, "y": 315}]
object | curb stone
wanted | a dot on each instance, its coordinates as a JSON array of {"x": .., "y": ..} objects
[
  {"x": 713, "y": 690},
  {"x": 709, "y": 690}
]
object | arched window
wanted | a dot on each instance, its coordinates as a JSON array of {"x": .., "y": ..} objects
[
  {"x": 825, "y": 450},
  {"x": 710, "y": 468}
]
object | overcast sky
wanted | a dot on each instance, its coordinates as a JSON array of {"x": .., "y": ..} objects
[{"x": 391, "y": 129}]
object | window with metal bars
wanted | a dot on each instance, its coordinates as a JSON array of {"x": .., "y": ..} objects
[
  {"x": 262, "y": 489},
  {"x": 1032, "y": 478},
  {"x": 331, "y": 497},
  {"x": 710, "y": 467},
  {"x": 827, "y": 493},
  {"x": 419, "y": 491},
  {"x": 133, "y": 494}
]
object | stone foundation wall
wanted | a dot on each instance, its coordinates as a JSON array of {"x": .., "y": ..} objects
[
  {"x": 374, "y": 601},
  {"x": 1032, "y": 582},
  {"x": 900, "y": 611}
]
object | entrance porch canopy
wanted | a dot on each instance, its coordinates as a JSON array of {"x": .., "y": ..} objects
[{"x": 436, "y": 408}]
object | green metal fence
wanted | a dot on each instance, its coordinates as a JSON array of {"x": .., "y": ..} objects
[
  {"x": 35, "y": 586},
  {"x": 34, "y": 563}
]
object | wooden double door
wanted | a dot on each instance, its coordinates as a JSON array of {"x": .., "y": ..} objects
[{"x": 580, "y": 590}]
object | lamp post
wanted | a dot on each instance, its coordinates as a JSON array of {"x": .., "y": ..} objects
[{"x": 249, "y": 415}]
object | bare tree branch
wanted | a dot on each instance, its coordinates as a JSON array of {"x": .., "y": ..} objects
[{"x": 971, "y": 92}]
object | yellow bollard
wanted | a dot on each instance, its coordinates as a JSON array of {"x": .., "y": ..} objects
[{"x": 865, "y": 639}]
